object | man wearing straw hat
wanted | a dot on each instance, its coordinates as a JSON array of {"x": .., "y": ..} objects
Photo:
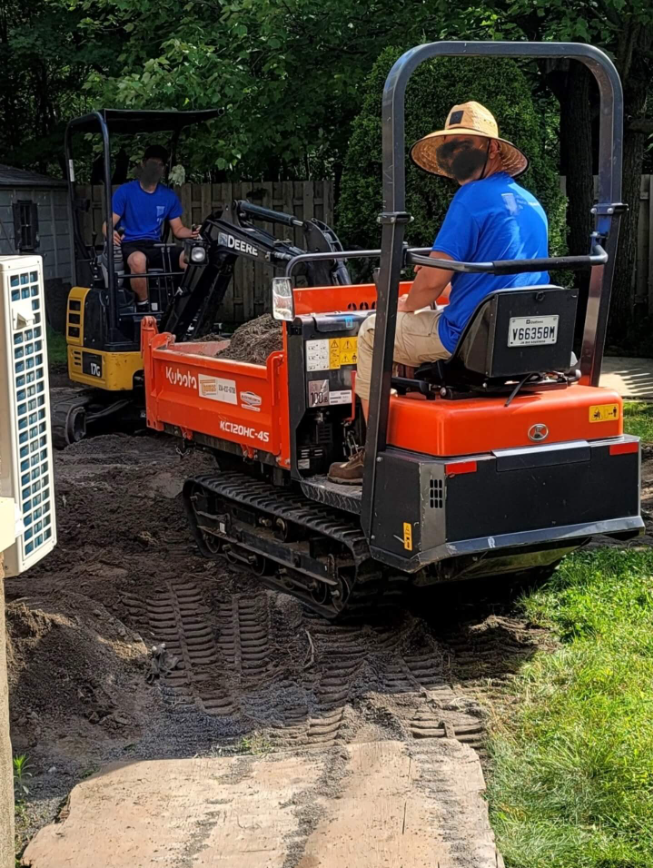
[{"x": 490, "y": 218}]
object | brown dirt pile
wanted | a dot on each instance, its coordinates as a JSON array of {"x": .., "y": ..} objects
[
  {"x": 254, "y": 341},
  {"x": 71, "y": 659}
]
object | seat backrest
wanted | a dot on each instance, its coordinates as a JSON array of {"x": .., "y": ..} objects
[
  {"x": 514, "y": 332},
  {"x": 119, "y": 268}
]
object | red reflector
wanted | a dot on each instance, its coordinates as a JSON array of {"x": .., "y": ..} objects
[
  {"x": 460, "y": 467},
  {"x": 624, "y": 448}
]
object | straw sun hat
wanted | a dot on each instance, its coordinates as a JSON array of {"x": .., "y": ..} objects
[{"x": 470, "y": 119}]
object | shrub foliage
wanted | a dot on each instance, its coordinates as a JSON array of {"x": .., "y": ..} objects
[{"x": 436, "y": 86}]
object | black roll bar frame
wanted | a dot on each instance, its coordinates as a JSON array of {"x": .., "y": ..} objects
[
  {"x": 94, "y": 117},
  {"x": 394, "y": 218}
]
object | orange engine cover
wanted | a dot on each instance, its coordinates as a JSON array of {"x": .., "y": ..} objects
[{"x": 473, "y": 425}]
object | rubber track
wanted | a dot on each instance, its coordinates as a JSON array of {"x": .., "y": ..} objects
[
  {"x": 288, "y": 505},
  {"x": 374, "y": 586}
]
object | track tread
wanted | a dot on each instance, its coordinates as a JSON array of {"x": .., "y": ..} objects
[{"x": 373, "y": 587}]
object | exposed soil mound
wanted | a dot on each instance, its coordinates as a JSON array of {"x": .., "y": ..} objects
[
  {"x": 254, "y": 341},
  {"x": 70, "y": 660}
]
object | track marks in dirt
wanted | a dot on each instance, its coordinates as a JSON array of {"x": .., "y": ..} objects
[
  {"x": 177, "y": 616},
  {"x": 340, "y": 653},
  {"x": 243, "y": 625},
  {"x": 438, "y": 711},
  {"x": 299, "y": 679},
  {"x": 484, "y": 655}
]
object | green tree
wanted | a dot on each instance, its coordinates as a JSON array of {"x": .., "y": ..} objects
[
  {"x": 287, "y": 73},
  {"x": 623, "y": 28},
  {"x": 44, "y": 56},
  {"x": 498, "y": 84}
]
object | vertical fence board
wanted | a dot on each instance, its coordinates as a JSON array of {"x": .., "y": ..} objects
[
  {"x": 643, "y": 231},
  {"x": 328, "y": 203},
  {"x": 649, "y": 235}
]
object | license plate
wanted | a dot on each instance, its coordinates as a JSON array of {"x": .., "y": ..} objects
[{"x": 532, "y": 331}]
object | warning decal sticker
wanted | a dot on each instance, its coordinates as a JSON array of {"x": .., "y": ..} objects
[
  {"x": 319, "y": 394},
  {"x": 342, "y": 351},
  {"x": 604, "y": 412},
  {"x": 317, "y": 355},
  {"x": 330, "y": 354}
]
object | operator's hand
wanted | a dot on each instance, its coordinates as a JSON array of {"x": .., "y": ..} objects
[
  {"x": 117, "y": 238},
  {"x": 401, "y": 304},
  {"x": 194, "y": 231}
]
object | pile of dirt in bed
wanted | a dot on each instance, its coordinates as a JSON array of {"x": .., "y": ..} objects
[{"x": 254, "y": 341}]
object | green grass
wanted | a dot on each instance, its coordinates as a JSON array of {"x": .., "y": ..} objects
[
  {"x": 57, "y": 351},
  {"x": 256, "y": 744},
  {"x": 572, "y": 778},
  {"x": 638, "y": 420}
]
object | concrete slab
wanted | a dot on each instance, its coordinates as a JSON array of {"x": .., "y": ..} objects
[
  {"x": 631, "y": 378},
  {"x": 405, "y": 805}
]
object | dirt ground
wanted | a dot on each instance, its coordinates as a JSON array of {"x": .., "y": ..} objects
[{"x": 125, "y": 644}]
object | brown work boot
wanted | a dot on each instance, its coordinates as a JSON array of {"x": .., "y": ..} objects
[{"x": 348, "y": 472}]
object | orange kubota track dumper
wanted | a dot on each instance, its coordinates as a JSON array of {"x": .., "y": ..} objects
[{"x": 501, "y": 460}]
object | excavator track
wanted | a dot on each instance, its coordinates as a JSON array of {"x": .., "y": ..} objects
[
  {"x": 72, "y": 418},
  {"x": 293, "y": 544}
]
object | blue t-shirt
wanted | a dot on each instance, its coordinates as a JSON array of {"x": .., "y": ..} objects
[
  {"x": 489, "y": 220},
  {"x": 142, "y": 213}
]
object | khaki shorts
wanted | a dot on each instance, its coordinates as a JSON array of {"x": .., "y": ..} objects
[{"x": 416, "y": 341}]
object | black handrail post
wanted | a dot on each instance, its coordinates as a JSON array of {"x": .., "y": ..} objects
[
  {"x": 392, "y": 259},
  {"x": 108, "y": 218},
  {"x": 393, "y": 219},
  {"x": 70, "y": 178},
  {"x": 108, "y": 211}
]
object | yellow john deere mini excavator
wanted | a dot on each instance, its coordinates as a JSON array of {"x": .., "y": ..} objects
[{"x": 102, "y": 322}]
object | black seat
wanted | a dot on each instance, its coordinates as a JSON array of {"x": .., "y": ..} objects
[
  {"x": 160, "y": 289},
  {"x": 520, "y": 337},
  {"x": 118, "y": 269}
]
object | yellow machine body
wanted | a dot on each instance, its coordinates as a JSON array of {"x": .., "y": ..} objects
[{"x": 112, "y": 371}]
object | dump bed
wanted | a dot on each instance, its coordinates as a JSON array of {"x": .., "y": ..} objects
[{"x": 189, "y": 389}]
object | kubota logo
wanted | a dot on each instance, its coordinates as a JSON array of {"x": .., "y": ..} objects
[
  {"x": 538, "y": 432},
  {"x": 179, "y": 378}
]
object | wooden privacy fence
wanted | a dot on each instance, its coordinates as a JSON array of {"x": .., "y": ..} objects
[
  {"x": 644, "y": 279},
  {"x": 249, "y": 293}
]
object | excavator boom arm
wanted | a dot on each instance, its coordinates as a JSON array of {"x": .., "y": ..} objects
[{"x": 212, "y": 259}]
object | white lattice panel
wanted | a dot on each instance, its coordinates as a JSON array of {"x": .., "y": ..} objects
[{"x": 25, "y": 444}]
